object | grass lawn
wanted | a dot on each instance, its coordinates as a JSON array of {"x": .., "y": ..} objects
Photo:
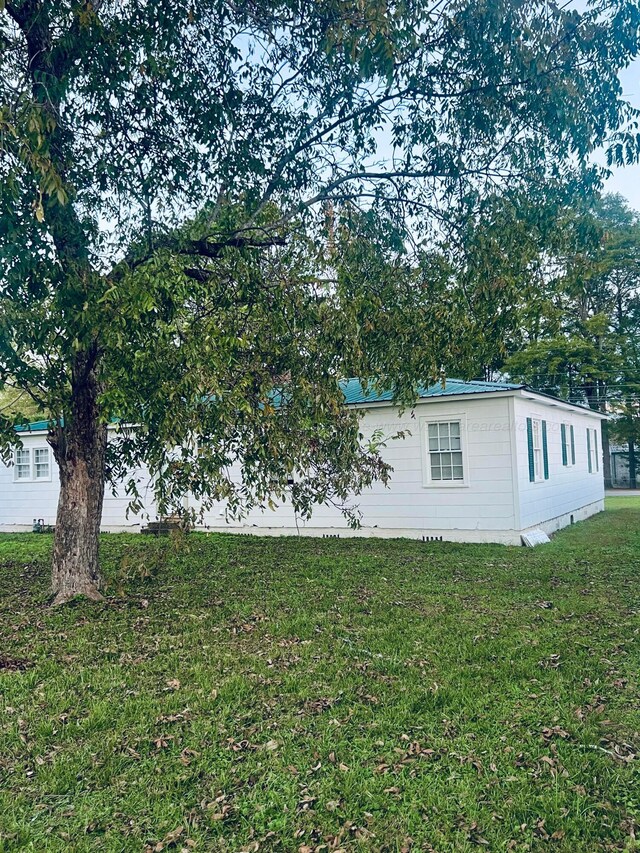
[{"x": 245, "y": 694}]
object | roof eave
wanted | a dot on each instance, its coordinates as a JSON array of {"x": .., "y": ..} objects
[
  {"x": 439, "y": 398},
  {"x": 551, "y": 400}
]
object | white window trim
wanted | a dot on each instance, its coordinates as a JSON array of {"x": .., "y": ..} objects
[
  {"x": 427, "y": 482},
  {"x": 17, "y": 479},
  {"x": 594, "y": 451},
  {"x": 35, "y": 464},
  {"x": 32, "y": 465},
  {"x": 538, "y": 452},
  {"x": 567, "y": 436}
]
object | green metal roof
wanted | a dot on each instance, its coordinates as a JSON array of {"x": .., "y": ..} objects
[
  {"x": 355, "y": 394},
  {"x": 36, "y": 426}
]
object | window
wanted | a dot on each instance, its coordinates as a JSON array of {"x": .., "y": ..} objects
[
  {"x": 204, "y": 446},
  {"x": 537, "y": 450},
  {"x": 445, "y": 452},
  {"x": 32, "y": 464},
  {"x": 41, "y": 463},
  {"x": 23, "y": 464},
  {"x": 592, "y": 451},
  {"x": 568, "y": 444}
]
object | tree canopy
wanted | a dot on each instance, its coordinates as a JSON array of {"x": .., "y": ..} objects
[
  {"x": 572, "y": 329},
  {"x": 577, "y": 343},
  {"x": 220, "y": 202}
]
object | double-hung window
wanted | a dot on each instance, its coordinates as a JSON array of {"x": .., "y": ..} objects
[
  {"x": 537, "y": 450},
  {"x": 568, "y": 442},
  {"x": 592, "y": 451},
  {"x": 41, "y": 463},
  {"x": 22, "y": 461},
  {"x": 32, "y": 463},
  {"x": 444, "y": 452}
]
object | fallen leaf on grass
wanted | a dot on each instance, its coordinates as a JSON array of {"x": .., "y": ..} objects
[
  {"x": 181, "y": 717},
  {"x": 240, "y": 745},
  {"x": 168, "y": 841},
  {"x": 221, "y": 814},
  {"x": 163, "y": 741},
  {"x": 306, "y": 802},
  {"x": 623, "y": 752},
  {"x": 539, "y": 830},
  {"x": 549, "y": 732},
  {"x": 472, "y": 832},
  {"x": 318, "y": 706},
  {"x": 186, "y": 755}
]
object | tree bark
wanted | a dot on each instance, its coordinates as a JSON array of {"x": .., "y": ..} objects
[
  {"x": 79, "y": 447},
  {"x": 633, "y": 483}
]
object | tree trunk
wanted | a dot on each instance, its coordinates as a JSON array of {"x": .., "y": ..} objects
[
  {"x": 79, "y": 447},
  {"x": 633, "y": 483},
  {"x": 606, "y": 456}
]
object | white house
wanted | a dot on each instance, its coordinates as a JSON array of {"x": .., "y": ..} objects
[{"x": 479, "y": 462}]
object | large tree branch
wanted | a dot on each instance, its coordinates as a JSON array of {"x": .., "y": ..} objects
[
  {"x": 305, "y": 142},
  {"x": 204, "y": 248},
  {"x": 213, "y": 249},
  {"x": 22, "y": 12}
]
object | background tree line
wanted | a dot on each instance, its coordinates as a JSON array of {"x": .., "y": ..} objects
[{"x": 573, "y": 327}]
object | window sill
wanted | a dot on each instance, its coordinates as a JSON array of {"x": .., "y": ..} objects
[{"x": 432, "y": 485}]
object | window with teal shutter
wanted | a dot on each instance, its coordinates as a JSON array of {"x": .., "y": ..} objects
[
  {"x": 567, "y": 445},
  {"x": 589, "y": 450},
  {"x": 532, "y": 469},
  {"x": 537, "y": 450}
]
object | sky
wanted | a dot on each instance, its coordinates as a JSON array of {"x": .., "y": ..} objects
[{"x": 626, "y": 181}]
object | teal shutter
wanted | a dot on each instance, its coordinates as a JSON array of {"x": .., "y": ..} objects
[
  {"x": 573, "y": 447},
  {"x": 589, "y": 448},
  {"x": 545, "y": 454},
  {"x": 532, "y": 467},
  {"x": 563, "y": 440},
  {"x": 595, "y": 445}
]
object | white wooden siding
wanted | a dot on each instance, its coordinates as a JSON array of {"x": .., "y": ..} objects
[
  {"x": 486, "y": 503},
  {"x": 495, "y": 502},
  {"x": 22, "y": 502},
  {"x": 569, "y": 487}
]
